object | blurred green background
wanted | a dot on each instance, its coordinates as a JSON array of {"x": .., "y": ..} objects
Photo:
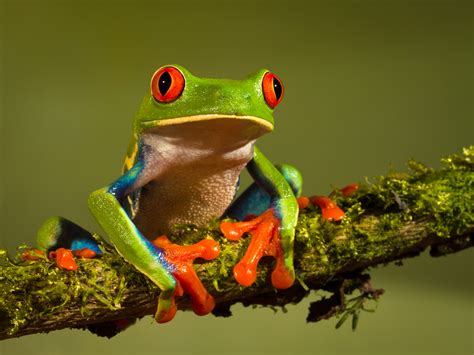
[{"x": 369, "y": 84}]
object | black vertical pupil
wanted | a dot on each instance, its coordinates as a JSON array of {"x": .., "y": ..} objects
[
  {"x": 164, "y": 83},
  {"x": 277, "y": 88}
]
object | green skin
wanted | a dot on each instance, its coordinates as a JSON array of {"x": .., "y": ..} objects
[{"x": 212, "y": 103}]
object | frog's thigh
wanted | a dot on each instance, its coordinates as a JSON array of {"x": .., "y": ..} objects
[
  {"x": 59, "y": 232},
  {"x": 254, "y": 200}
]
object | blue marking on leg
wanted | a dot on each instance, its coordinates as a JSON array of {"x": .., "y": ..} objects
[
  {"x": 69, "y": 235},
  {"x": 158, "y": 253},
  {"x": 78, "y": 244},
  {"x": 292, "y": 176},
  {"x": 255, "y": 200},
  {"x": 122, "y": 188}
]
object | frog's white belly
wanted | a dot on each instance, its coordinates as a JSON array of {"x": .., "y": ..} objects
[{"x": 189, "y": 181}]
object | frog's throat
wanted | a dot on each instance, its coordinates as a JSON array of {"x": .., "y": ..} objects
[{"x": 265, "y": 125}]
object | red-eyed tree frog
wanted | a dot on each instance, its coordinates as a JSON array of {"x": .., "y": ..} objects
[{"x": 191, "y": 139}]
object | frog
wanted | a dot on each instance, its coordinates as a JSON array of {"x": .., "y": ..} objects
[{"x": 192, "y": 137}]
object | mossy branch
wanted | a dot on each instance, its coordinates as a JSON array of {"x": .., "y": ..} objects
[{"x": 397, "y": 216}]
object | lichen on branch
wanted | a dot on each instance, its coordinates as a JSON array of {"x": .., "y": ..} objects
[{"x": 393, "y": 217}]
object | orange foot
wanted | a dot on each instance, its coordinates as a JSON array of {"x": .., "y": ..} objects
[
  {"x": 182, "y": 258},
  {"x": 266, "y": 241},
  {"x": 349, "y": 189},
  {"x": 32, "y": 254},
  {"x": 330, "y": 211},
  {"x": 65, "y": 257},
  {"x": 303, "y": 202}
]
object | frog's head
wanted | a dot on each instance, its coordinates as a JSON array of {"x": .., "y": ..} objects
[{"x": 181, "y": 102}]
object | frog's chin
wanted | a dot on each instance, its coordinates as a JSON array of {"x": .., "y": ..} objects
[{"x": 239, "y": 129}]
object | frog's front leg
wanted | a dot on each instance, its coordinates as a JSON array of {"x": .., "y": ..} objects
[
  {"x": 152, "y": 259},
  {"x": 273, "y": 231}
]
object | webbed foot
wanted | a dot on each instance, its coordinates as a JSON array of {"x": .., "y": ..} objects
[
  {"x": 65, "y": 257},
  {"x": 266, "y": 241},
  {"x": 182, "y": 259},
  {"x": 61, "y": 240},
  {"x": 32, "y": 254},
  {"x": 329, "y": 209}
]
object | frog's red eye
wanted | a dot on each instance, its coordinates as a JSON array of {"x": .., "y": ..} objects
[
  {"x": 272, "y": 89},
  {"x": 167, "y": 84}
]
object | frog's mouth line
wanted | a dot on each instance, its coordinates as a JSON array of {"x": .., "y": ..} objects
[{"x": 265, "y": 125}]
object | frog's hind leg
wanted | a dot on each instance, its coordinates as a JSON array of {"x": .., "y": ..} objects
[
  {"x": 62, "y": 239},
  {"x": 255, "y": 200},
  {"x": 58, "y": 232}
]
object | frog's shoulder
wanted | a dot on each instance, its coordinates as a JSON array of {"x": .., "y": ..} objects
[
  {"x": 130, "y": 204},
  {"x": 131, "y": 155}
]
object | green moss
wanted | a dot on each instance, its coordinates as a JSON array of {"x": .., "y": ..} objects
[
  {"x": 32, "y": 289},
  {"x": 378, "y": 211},
  {"x": 375, "y": 216}
]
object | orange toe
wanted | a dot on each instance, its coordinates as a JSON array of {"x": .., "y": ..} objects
[
  {"x": 64, "y": 259},
  {"x": 245, "y": 274},
  {"x": 303, "y": 202},
  {"x": 330, "y": 211},
  {"x": 169, "y": 315},
  {"x": 281, "y": 277},
  {"x": 84, "y": 253},
  {"x": 349, "y": 189},
  {"x": 210, "y": 249},
  {"x": 32, "y": 254},
  {"x": 204, "y": 306}
]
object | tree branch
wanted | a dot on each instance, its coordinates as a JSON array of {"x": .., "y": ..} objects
[{"x": 397, "y": 216}]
